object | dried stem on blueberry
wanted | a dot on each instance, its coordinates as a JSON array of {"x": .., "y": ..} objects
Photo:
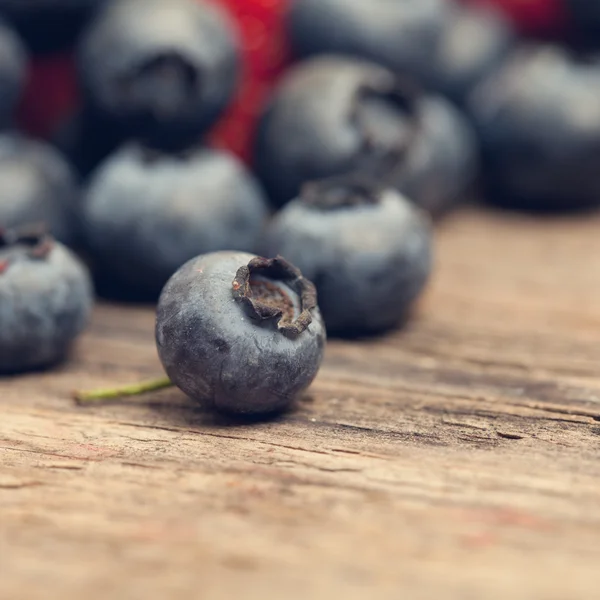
[
  {"x": 167, "y": 77},
  {"x": 341, "y": 192},
  {"x": 34, "y": 240},
  {"x": 136, "y": 389},
  {"x": 380, "y": 158},
  {"x": 270, "y": 302}
]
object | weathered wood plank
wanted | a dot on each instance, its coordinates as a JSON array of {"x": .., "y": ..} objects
[{"x": 459, "y": 458}]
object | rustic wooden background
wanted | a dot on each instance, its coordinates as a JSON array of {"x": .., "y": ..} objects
[{"x": 458, "y": 459}]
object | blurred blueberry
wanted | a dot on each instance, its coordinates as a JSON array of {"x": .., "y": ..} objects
[
  {"x": 37, "y": 186},
  {"x": 45, "y": 301},
  {"x": 13, "y": 70},
  {"x": 472, "y": 42},
  {"x": 444, "y": 46},
  {"x": 333, "y": 115},
  {"x": 539, "y": 122},
  {"x": 586, "y": 15},
  {"x": 162, "y": 72},
  {"x": 366, "y": 248},
  {"x": 145, "y": 214},
  {"x": 399, "y": 34}
]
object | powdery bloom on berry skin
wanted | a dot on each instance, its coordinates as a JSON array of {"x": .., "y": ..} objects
[
  {"x": 335, "y": 115},
  {"x": 249, "y": 350},
  {"x": 366, "y": 247},
  {"x": 189, "y": 204},
  {"x": 45, "y": 300},
  {"x": 162, "y": 72},
  {"x": 37, "y": 185}
]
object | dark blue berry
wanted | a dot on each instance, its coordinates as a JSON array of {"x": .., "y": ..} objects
[
  {"x": 37, "y": 186},
  {"x": 334, "y": 115},
  {"x": 472, "y": 42},
  {"x": 49, "y": 25},
  {"x": 161, "y": 72},
  {"x": 13, "y": 64},
  {"x": 45, "y": 300},
  {"x": 539, "y": 122},
  {"x": 399, "y": 34},
  {"x": 145, "y": 214},
  {"x": 586, "y": 16},
  {"x": 444, "y": 46},
  {"x": 239, "y": 332},
  {"x": 366, "y": 248}
]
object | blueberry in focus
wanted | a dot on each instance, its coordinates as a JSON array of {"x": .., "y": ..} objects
[
  {"x": 333, "y": 115},
  {"x": 37, "y": 186},
  {"x": 538, "y": 118},
  {"x": 367, "y": 249},
  {"x": 240, "y": 332},
  {"x": 399, "y": 34},
  {"x": 13, "y": 65},
  {"x": 473, "y": 41},
  {"x": 147, "y": 213},
  {"x": 45, "y": 300},
  {"x": 49, "y": 25},
  {"x": 161, "y": 72}
]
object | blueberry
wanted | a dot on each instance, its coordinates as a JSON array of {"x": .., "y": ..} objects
[
  {"x": 45, "y": 300},
  {"x": 446, "y": 47},
  {"x": 37, "y": 186},
  {"x": 366, "y": 248},
  {"x": 586, "y": 15},
  {"x": 240, "y": 332},
  {"x": 49, "y": 25},
  {"x": 334, "y": 115},
  {"x": 13, "y": 64},
  {"x": 161, "y": 72},
  {"x": 145, "y": 214},
  {"x": 539, "y": 121},
  {"x": 399, "y": 34},
  {"x": 473, "y": 42}
]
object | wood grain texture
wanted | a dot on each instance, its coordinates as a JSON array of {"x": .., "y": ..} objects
[{"x": 457, "y": 459}]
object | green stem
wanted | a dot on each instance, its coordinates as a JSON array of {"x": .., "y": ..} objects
[{"x": 134, "y": 389}]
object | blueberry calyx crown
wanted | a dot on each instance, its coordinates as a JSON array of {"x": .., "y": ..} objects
[
  {"x": 380, "y": 157},
  {"x": 255, "y": 287},
  {"x": 162, "y": 85},
  {"x": 341, "y": 192},
  {"x": 34, "y": 241}
]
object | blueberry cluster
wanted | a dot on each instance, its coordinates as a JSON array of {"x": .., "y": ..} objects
[
  {"x": 534, "y": 106},
  {"x": 334, "y": 115},
  {"x": 393, "y": 114}
]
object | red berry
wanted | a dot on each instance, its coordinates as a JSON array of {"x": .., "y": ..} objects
[
  {"x": 543, "y": 17},
  {"x": 266, "y": 54},
  {"x": 50, "y": 96}
]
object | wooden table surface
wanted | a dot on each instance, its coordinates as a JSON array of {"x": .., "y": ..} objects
[{"x": 457, "y": 459}]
